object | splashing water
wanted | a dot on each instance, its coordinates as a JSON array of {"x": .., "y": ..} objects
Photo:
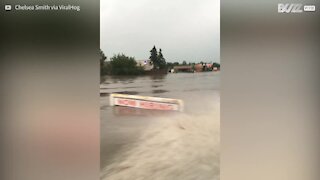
[{"x": 180, "y": 147}]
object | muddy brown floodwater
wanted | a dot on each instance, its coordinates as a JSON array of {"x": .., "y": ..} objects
[{"x": 123, "y": 130}]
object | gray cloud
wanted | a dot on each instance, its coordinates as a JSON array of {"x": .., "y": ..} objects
[{"x": 184, "y": 29}]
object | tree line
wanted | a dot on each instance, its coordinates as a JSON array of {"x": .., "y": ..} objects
[{"x": 120, "y": 64}]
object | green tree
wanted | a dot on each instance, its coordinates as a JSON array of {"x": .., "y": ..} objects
[
  {"x": 103, "y": 64},
  {"x": 161, "y": 60},
  {"x": 176, "y": 64},
  {"x": 215, "y": 64},
  {"x": 124, "y": 65},
  {"x": 154, "y": 57},
  {"x": 184, "y": 63},
  {"x": 157, "y": 58}
]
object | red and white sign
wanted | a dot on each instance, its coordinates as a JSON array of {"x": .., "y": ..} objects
[{"x": 144, "y": 102}]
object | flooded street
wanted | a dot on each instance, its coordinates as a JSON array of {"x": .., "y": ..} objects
[{"x": 123, "y": 127}]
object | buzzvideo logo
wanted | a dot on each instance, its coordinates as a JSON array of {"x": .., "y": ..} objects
[{"x": 295, "y": 8}]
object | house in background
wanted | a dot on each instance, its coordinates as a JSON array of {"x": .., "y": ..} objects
[
  {"x": 198, "y": 67},
  {"x": 182, "y": 69},
  {"x": 145, "y": 64}
]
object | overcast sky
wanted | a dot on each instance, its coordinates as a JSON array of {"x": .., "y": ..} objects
[{"x": 184, "y": 29}]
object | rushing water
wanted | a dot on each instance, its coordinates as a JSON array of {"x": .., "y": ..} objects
[{"x": 122, "y": 127}]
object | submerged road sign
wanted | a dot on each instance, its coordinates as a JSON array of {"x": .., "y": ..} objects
[{"x": 146, "y": 102}]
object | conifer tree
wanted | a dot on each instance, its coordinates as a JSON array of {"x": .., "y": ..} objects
[
  {"x": 154, "y": 57},
  {"x": 161, "y": 60}
]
